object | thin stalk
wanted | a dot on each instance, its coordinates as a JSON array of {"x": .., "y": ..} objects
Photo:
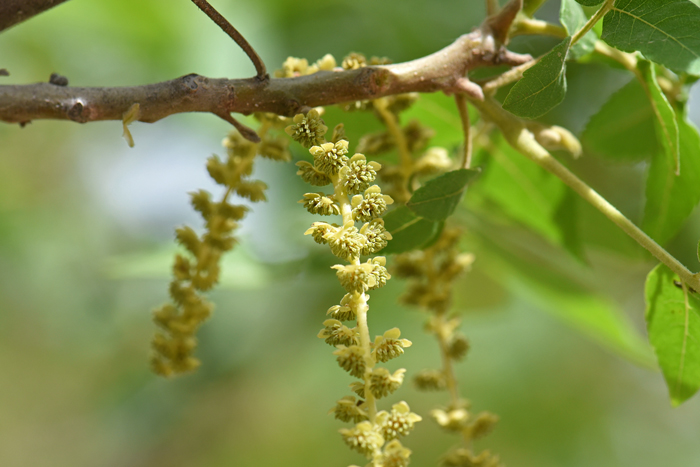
[
  {"x": 359, "y": 303},
  {"x": 607, "y": 6},
  {"x": 392, "y": 125},
  {"x": 240, "y": 170},
  {"x": 461, "y": 102},
  {"x": 524, "y": 142},
  {"x": 363, "y": 328},
  {"x": 233, "y": 33},
  {"x": 530, "y": 26},
  {"x": 510, "y": 76},
  {"x": 625, "y": 59},
  {"x": 492, "y": 7},
  {"x": 441, "y": 325},
  {"x": 447, "y": 369}
]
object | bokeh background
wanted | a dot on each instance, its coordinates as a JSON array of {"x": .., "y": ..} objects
[{"x": 86, "y": 245}]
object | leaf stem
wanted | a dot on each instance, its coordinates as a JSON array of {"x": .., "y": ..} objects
[
  {"x": 607, "y": 6},
  {"x": 530, "y": 26},
  {"x": 392, "y": 125},
  {"x": 524, "y": 142},
  {"x": 466, "y": 128},
  {"x": 492, "y": 7},
  {"x": 358, "y": 303},
  {"x": 363, "y": 329},
  {"x": 510, "y": 76},
  {"x": 225, "y": 26}
]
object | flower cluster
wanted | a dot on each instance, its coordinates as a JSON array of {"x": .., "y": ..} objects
[
  {"x": 432, "y": 274},
  {"x": 293, "y": 67},
  {"x": 356, "y": 200},
  {"x": 197, "y": 270}
]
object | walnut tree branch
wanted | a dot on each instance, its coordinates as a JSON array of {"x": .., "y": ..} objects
[
  {"x": 235, "y": 35},
  {"x": 16, "y": 11},
  {"x": 444, "y": 70}
]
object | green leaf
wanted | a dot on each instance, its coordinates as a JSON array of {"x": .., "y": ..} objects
[
  {"x": 573, "y": 18},
  {"x": 531, "y": 196},
  {"x": 665, "y": 122},
  {"x": 670, "y": 197},
  {"x": 673, "y": 324},
  {"x": 542, "y": 87},
  {"x": 437, "y": 199},
  {"x": 624, "y": 128},
  {"x": 408, "y": 231},
  {"x": 553, "y": 288},
  {"x": 590, "y": 2},
  {"x": 665, "y": 31}
]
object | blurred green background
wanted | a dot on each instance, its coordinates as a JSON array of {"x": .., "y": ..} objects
[{"x": 86, "y": 244}]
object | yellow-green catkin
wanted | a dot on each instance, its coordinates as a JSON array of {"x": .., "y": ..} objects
[
  {"x": 431, "y": 277},
  {"x": 357, "y": 205},
  {"x": 409, "y": 141},
  {"x": 196, "y": 270}
]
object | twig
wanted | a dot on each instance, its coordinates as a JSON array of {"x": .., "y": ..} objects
[
  {"x": 607, "y": 6},
  {"x": 529, "y": 26},
  {"x": 194, "y": 93},
  {"x": 235, "y": 35},
  {"x": 466, "y": 129},
  {"x": 492, "y": 7},
  {"x": 508, "y": 77},
  {"x": 524, "y": 142},
  {"x": 15, "y": 11},
  {"x": 500, "y": 23}
]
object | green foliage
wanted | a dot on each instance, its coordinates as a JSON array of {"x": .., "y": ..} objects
[
  {"x": 573, "y": 18},
  {"x": 408, "y": 231},
  {"x": 542, "y": 87},
  {"x": 552, "y": 288},
  {"x": 624, "y": 129},
  {"x": 529, "y": 195},
  {"x": 666, "y": 125},
  {"x": 673, "y": 322},
  {"x": 665, "y": 31},
  {"x": 670, "y": 197},
  {"x": 533, "y": 244},
  {"x": 437, "y": 199}
]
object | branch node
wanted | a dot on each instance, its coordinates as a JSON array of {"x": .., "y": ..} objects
[
  {"x": 245, "y": 131},
  {"x": 464, "y": 86},
  {"x": 500, "y": 23},
  {"x": 75, "y": 113},
  {"x": 506, "y": 57},
  {"x": 58, "y": 80}
]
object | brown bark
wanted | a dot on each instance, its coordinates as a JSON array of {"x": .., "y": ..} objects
[
  {"x": 16, "y": 11},
  {"x": 442, "y": 71}
]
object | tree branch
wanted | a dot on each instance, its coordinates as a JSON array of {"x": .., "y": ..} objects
[
  {"x": 444, "y": 70},
  {"x": 235, "y": 35},
  {"x": 16, "y": 11}
]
